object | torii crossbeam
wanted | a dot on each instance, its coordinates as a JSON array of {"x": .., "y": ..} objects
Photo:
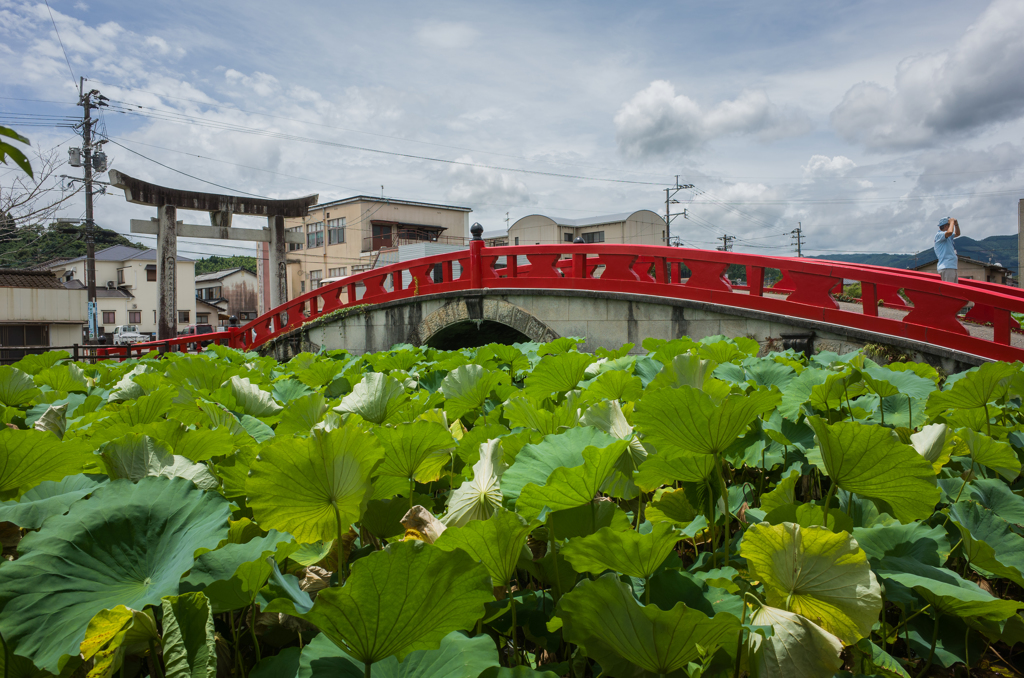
[{"x": 221, "y": 207}]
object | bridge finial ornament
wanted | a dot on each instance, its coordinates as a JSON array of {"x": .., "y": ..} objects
[{"x": 477, "y": 230}]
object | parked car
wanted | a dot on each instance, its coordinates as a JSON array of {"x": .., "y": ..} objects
[
  {"x": 196, "y": 330},
  {"x": 127, "y": 334}
]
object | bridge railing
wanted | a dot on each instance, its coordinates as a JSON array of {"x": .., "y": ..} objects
[{"x": 805, "y": 291}]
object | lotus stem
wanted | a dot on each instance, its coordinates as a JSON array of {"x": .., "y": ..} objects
[
  {"x": 988, "y": 422},
  {"x": 366, "y": 669},
  {"x": 252, "y": 630},
  {"x": 554, "y": 560},
  {"x": 828, "y": 500},
  {"x": 739, "y": 642},
  {"x": 339, "y": 546},
  {"x": 647, "y": 590},
  {"x": 639, "y": 510},
  {"x": 725, "y": 503},
  {"x": 7, "y": 659},
  {"x": 712, "y": 525},
  {"x": 154, "y": 661},
  {"x": 931, "y": 652},
  {"x": 412, "y": 489},
  {"x": 512, "y": 604},
  {"x": 910, "y": 412}
]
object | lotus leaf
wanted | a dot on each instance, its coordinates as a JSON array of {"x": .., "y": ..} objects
[
  {"x": 816, "y": 573},
  {"x": 148, "y": 533},
  {"x": 556, "y": 374},
  {"x": 408, "y": 598},
  {"x": 302, "y": 414},
  {"x": 479, "y": 498},
  {"x": 27, "y": 458},
  {"x": 688, "y": 418},
  {"x": 48, "y": 498},
  {"x": 231, "y": 575},
  {"x": 988, "y": 543},
  {"x": 66, "y": 378},
  {"x": 189, "y": 643},
  {"x": 628, "y": 552},
  {"x": 870, "y": 461},
  {"x": 628, "y": 639},
  {"x": 497, "y": 543},
  {"x": 377, "y": 398},
  {"x": 114, "y": 633},
  {"x": 535, "y": 463},
  {"x": 135, "y": 457},
  {"x": 672, "y": 506},
  {"x": 672, "y": 464},
  {"x": 467, "y": 387},
  {"x": 995, "y": 495},
  {"x": 571, "y": 487},
  {"x": 314, "y": 487},
  {"x": 16, "y": 387},
  {"x": 797, "y": 648},
  {"x": 616, "y": 385},
  {"x": 417, "y": 449},
  {"x": 996, "y": 455},
  {"x": 945, "y": 590}
]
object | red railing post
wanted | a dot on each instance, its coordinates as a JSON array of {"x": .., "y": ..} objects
[{"x": 476, "y": 260}]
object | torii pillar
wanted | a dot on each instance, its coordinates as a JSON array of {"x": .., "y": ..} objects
[{"x": 167, "y": 228}]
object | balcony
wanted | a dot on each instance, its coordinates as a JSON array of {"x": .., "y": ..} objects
[{"x": 385, "y": 241}]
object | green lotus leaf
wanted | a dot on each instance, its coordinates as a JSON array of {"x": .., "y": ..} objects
[
  {"x": 27, "y": 458},
  {"x": 766, "y": 372},
  {"x": 685, "y": 369},
  {"x": 816, "y": 573},
  {"x": 571, "y": 487},
  {"x": 672, "y": 464},
  {"x": 996, "y": 455},
  {"x": 417, "y": 449},
  {"x": 629, "y": 640},
  {"x": 886, "y": 382},
  {"x": 259, "y": 431},
  {"x": 479, "y": 498},
  {"x": 535, "y": 463},
  {"x": 305, "y": 486},
  {"x": 616, "y": 385},
  {"x": 320, "y": 373},
  {"x": 516, "y": 672},
  {"x": 688, "y": 418},
  {"x": 126, "y": 389},
  {"x": 48, "y": 498},
  {"x": 251, "y": 399},
  {"x": 917, "y": 541},
  {"x": 977, "y": 388},
  {"x": 231, "y": 575},
  {"x": 456, "y": 657},
  {"x": 287, "y": 390},
  {"x": 200, "y": 444},
  {"x": 988, "y": 543},
  {"x": 587, "y": 519},
  {"x": 383, "y": 517},
  {"x": 16, "y": 387},
  {"x": 134, "y": 457},
  {"x": 930, "y": 442},
  {"x": 505, "y": 356},
  {"x": 36, "y": 362},
  {"x": 995, "y": 495},
  {"x": 68, "y": 378},
  {"x": 408, "y": 598},
  {"x": 556, "y": 374},
  {"x": 784, "y": 493},
  {"x": 200, "y": 372},
  {"x": 497, "y": 543},
  {"x": 54, "y": 420},
  {"x": 810, "y": 515},
  {"x": 836, "y": 390},
  {"x": 798, "y": 391},
  {"x": 377, "y": 398},
  {"x": 631, "y": 553},
  {"x": 870, "y": 461},
  {"x": 127, "y": 545},
  {"x": 301, "y": 415},
  {"x": 113, "y": 634},
  {"x": 467, "y": 387},
  {"x": 797, "y": 648},
  {"x": 881, "y": 661},
  {"x": 607, "y": 416},
  {"x": 944, "y": 590},
  {"x": 189, "y": 642},
  {"x": 672, "y": 506},
  {"x": 668, "y": 587}
]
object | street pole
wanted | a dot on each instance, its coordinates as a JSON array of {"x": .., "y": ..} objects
[
  {"x": 797, "y": 234},
  {"x": 85, "y": 101},
  {"x": 669, "y": 195}
]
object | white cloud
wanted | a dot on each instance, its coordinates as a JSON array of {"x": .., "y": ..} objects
[
  {"x": 959, "y": 91},
  {"x": 81, "y": 7},
  {"x": 471, "y": 185},
  {"x": 447, "y": 34},
  {"x": 159, "y": 44},
  {"x": 824, "y": 166},
  {"x": 657, "y": 121},
  {"x": 261, "y": 84}
]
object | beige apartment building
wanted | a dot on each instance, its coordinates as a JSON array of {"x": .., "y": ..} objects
[
  {"x": 355, "y": 234},
  {"x": 642, "y": 227},
  {"x": 36, "y": 310},
  {"x": 126, "y": 287}
]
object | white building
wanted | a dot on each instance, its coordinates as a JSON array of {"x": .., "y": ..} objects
[
  {"x": 126, "y": 287},
  {"x": 36, "y": 310}
]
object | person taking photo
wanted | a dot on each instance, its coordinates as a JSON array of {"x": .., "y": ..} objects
[{"x": 949, "y": 228}]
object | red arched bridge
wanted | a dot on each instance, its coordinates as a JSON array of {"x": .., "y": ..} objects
[{"x": 805, "y": 295}]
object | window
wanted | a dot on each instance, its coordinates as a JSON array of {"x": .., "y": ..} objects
[
  {"x": 151, "y": 273},
  {"x": 24, "y": 335},
  {"x": 108, "y": 318},
  {"x": 302, "y": 286},
  {"x": 315, "y": 234},
  {"x": 336, "y": 272},
  {"x": 517, "y": 241},
  {"x": 120, "y": 276},
  {"x": 594, "y": 236},
  {"x": 567, "y": 237},
  {"x": 314, "y": 279},
  {"x": 245, "y": 315},
  {"x": 182, "y": 316},
  {"x": 202, "y": 318},
  {"x": 335, "y": 231},
  {"x": 292, "y": 246},
  {"x": 209, "y": 293},
  {"x": 135, "y": 317}
]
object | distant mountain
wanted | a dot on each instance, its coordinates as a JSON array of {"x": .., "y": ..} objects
[
  {"x": 31, "y": 245},
  {"x": 1001, "y": 249}
]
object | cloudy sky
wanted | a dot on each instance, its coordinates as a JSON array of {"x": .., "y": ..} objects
[{"x": 865, "y": 121}]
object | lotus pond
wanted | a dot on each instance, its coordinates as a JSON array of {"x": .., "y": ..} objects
[{"x": 511, "y": 512}]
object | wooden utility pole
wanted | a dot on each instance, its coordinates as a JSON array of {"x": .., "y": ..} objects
[{"x": 87, "y": 102}]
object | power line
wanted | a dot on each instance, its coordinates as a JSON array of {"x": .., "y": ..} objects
[{"x": 66, "y": 60}]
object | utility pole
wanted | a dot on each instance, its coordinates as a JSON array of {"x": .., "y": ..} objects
[
  {"x": 726, "y": 243},
  {"x": 88, "y": 101},
  {"x": 669, "y": 201},
  {"x": 797, "y": 235}
]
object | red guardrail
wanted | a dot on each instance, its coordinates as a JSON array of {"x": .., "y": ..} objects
[{"x": 804, "y": 290}]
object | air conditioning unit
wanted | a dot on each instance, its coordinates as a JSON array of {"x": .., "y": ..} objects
[
  {"x": 110, "y": 284},
  {"x": 135, "y": 305}
]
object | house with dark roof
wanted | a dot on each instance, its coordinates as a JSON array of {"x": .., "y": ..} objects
[
  {"x": 37, "y": 310},
  {"x": 126, "y": 287},
  {"x": 232, "y": 292}
]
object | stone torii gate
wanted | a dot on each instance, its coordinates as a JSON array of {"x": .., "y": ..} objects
[{"x": 167, "y": 228}]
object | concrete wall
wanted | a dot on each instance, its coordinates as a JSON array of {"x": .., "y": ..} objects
[
  {"x": 32, "y": 305},
  {"x": 604, "y": 319}
]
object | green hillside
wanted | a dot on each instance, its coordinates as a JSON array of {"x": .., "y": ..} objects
[
  {"x": 30, "y": 245},
  {"x": 215, "y": 263},
  {"x": 996, "y": 248}
]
